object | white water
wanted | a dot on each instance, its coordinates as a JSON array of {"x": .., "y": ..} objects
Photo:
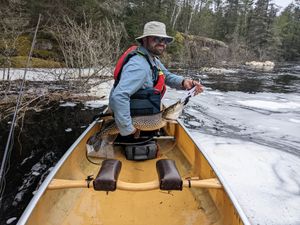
[{"x": 254, "y": 141}]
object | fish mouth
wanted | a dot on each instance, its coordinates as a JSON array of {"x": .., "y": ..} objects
[{"x": 174, "y": 111}]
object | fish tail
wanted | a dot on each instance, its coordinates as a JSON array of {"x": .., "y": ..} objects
[
  {"x": 93, "y": 144},
  {"x": 101, "y": 147}
]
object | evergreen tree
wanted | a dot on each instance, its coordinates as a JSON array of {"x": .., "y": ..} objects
[
  {"x": 288, "y": 25},
  {"x": 203, "y": 23},
  {"x": 231, "y": 17},
  {"x": 137, "y": 13},
  {"x": 261, "y": 30},
  {"x": 219, "y": 22},
  {"x": 245, "y": 13}
]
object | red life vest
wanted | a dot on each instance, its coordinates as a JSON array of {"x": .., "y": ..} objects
[{"x": 158, "y": 75}]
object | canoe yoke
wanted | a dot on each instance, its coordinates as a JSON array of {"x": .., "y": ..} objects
[{"x": 106, "y": 180}]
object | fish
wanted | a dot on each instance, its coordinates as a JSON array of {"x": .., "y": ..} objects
[{"x": 109, "y": 130}]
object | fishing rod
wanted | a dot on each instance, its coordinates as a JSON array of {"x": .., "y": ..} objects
[{"x": 10, "y": 142}]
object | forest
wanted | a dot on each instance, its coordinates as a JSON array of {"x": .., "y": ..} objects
[{"x": 93, "y": 33}]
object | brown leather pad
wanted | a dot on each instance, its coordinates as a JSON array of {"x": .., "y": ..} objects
[
  {"x": 169, "y": 177},
  {"x": 107, "y": 177}
]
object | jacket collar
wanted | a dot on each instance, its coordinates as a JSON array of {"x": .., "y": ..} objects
[{"x": 151, "y": 57}]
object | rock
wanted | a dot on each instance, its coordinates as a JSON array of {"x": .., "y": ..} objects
[
  {"x": 44, "y": 44},
  {"x": 265, "y": 66}
]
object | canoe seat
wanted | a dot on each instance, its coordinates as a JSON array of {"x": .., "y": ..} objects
[
  {"x": 169, "y": 177},
  {"x": 107, "y": 177}
]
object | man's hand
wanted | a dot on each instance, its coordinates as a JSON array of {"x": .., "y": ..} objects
[{"x": 189, "y": 84}]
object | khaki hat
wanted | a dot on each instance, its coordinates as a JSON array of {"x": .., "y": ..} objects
[{"x": 156, "y": 29}]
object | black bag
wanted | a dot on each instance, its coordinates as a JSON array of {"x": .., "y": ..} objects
[
  {"x": 145, "y": 102},
  {"x": 141, "y": 152}
]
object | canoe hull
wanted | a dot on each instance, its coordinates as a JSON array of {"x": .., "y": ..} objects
[{"x": 86, "y": 206}]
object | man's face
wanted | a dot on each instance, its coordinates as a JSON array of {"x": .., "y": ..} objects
[{"x": 156, "y": 45}]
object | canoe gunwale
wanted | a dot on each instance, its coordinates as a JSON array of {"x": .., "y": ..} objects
[
  {"x": 30, "y": 207},
  {"x": 225, "y": 185}
]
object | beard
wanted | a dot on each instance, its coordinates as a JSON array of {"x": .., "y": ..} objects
[{"x": 156, "y": 49}]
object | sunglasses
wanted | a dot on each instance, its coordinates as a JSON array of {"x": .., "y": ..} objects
[{"x": 160, "y": 39}]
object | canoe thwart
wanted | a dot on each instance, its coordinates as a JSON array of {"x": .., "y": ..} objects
[
  {"x": 107, "y": 177},
  {"x": 146, "y": 186},
  {"x": 169, "y": 177}
]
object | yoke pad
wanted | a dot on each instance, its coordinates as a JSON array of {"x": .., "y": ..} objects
[
  {"x": 107, "y": 177},
  {"x": 169, "y": 177}
]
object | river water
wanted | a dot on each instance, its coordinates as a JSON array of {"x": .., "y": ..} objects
[
  {"x": 45, "y": 137},
  {"x": 247, "y": 122}
]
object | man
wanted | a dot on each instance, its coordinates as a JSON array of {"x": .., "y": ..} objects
[{"x": 137, "y": 75}]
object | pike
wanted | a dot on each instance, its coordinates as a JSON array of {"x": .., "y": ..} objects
[{"x": 141, "y": 123}]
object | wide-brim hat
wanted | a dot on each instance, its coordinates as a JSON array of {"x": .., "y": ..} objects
[{"x": 156, "y": 29}]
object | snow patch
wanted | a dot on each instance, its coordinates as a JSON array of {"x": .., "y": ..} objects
[
  {"x": 96, "y": 103},
  {"x": 10, "y": 220},
  {"x": 102, "y": 90},
  {"x": 68, "y": 104},
  {"x": 35, "y": 173}
]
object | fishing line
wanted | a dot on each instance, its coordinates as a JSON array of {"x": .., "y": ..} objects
[
  {"x": 93, "y": 162},
  {"x": 10, "y": 142}
]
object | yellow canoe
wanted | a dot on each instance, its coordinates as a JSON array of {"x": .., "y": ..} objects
[{"x": 64, "y": 197}]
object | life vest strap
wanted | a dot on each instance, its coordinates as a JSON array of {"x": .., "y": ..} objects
[{"x": 158, "y": 77}]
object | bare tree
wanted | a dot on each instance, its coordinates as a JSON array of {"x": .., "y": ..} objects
[
  {"x": 195, "y": 6},
  {"x": 88, "y": 47},
  {"x": 176, "y": 13}
]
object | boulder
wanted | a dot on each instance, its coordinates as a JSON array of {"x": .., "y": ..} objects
[{"x": 265, "y": 66}]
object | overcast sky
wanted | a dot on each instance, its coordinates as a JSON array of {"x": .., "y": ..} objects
[{"x": 283, "y": 3}]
